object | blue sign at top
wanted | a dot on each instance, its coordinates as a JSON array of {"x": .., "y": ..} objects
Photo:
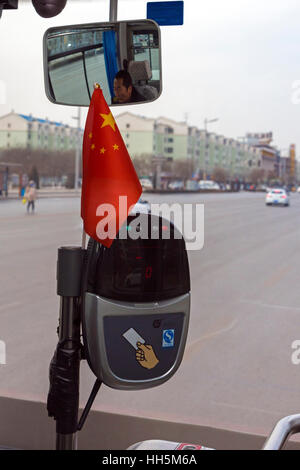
[{"x": 165, "y": 13}]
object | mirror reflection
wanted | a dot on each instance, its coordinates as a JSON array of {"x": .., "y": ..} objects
[{"x": 124, "y": 58}]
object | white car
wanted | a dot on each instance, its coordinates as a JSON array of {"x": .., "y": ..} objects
[
  {"x": 176, "y": 185},
  {"x": 277, "y": 197},
  {"x": 141, "y": 207},
  {"x": 146, "y": 183},
  {"x": 208, "y": 185}
]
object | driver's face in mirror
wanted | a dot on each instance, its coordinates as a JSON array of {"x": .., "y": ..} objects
[
  {"x": 124, "y": 90},
  {"x": 122, "y": 93}
]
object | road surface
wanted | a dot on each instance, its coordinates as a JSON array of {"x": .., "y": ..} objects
[{"x": 237, "y": 371}]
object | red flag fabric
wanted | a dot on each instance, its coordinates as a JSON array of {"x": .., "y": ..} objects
[{"x": 110, "y": 185}]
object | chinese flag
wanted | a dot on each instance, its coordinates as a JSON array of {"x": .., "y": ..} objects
[{"x": 110, "y": 185}]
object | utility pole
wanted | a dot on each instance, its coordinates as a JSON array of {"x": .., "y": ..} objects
[{"x": 207, "y": 121}]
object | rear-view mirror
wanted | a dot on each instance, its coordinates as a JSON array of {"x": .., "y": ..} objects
[{"x": 124, "y": 57}]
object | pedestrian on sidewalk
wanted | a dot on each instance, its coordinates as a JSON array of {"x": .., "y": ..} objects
[{"x": 31, "y": 195}]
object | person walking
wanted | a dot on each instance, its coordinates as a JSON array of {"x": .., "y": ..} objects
[{"x": 30, "y": 195}]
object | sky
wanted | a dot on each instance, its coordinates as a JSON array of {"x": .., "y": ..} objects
[{"x": 235, "y": 60}]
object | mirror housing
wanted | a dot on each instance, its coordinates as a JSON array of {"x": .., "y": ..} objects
[{"x": 75, "y": 57}]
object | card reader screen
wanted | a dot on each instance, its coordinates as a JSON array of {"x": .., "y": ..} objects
[{"x": 142, "y": 270}]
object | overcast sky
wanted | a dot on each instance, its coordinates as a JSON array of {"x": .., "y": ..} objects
[{"x": 237, "y": 60}]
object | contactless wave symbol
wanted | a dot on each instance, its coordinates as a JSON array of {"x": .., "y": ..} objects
[{"x": 168, "y": 338}]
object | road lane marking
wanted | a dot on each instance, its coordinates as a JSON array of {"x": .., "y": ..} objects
[
  {"x": 198, "y": 343},
  {"x": 247, "y": 408},
  {"x": 277, "y": 276},
  {"x": 7, "y": 306},
  {"x": 261, "y": 304}
]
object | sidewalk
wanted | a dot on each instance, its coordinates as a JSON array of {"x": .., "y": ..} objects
[
  {"x": 63, "y": 192},
  {"x": 46, "y": 192}
]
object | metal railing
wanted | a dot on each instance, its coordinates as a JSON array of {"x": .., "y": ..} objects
[{"x": 283, "y": 430}]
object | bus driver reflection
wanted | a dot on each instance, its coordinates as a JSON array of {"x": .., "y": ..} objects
[{"x": 124, "y": 90}]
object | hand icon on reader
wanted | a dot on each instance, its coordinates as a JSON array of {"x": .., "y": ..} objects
[{"x": 145, "y": 354}]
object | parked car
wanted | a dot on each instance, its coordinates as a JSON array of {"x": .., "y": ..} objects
[
  {"x": 176, "y": 185},
  {"x": 208, "y": 185},
  {"x": 146, "y": 183},
  {"x": 277, "y": 197},
  {"x": 192, "y": 185}
]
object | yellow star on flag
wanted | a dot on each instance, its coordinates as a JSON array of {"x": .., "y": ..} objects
[
  {"x": 108, "y": 120},
  {"x": 93, "y": 146},
  {"x": 116, "y": 147},
  {"x": 90, "y": 135},
  {"x": 102, "y": 150}
]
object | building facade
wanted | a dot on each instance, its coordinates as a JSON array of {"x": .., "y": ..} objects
[
  {"x": 168, "y": 138},
  {"x": 209, "y": 151},
  {"x": 158, "y": 137},
  {"x": 23, "y": 131}
]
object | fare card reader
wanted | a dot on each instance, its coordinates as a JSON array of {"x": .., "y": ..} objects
[{"x": 136, "y": 304}]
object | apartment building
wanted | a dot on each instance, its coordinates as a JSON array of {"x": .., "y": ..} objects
[
  {"x": 168, "y": 138},
  {"x": 26, "y": 131}
]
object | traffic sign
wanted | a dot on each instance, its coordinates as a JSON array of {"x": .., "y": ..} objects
[{"x": 165, "y": 13}]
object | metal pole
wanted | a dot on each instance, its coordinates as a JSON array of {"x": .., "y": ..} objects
[
  {"x": 63, "y": 396},
  {"x": 158, "y": 176},
  {"x": 6, "y": 181},
  {"x": 69, "y": 337},
  {"x": 66, "y": 442},
  {"x": 280, "y": 434},
  {"x": 113, "y": 10}
]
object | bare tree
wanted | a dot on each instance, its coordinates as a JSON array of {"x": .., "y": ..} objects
[
  {"x": 257, "y": 175},
  {"x": 220, "y": 175},
  {"x": 179, "y": 169},
  {"x": 47, "y": 163},
  {"x": 143, "y": 165},
  {"x": 182, "y": 169}
]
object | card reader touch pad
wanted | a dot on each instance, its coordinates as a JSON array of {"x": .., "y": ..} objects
[{"x": 142, "y": 347}]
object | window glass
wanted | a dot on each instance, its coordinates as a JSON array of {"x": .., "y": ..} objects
[
  {"x": 79, "y": 55},
  {"x": 145, "y": 47},
  {"x": 60, "y": 71}
]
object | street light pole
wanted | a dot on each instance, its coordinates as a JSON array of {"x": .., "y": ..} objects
[
  {"x": 282, "y": 168},
  {"x": 207, "y": 121}
]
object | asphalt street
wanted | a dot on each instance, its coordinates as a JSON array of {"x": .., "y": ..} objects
[{"x": 237, "y": 371}]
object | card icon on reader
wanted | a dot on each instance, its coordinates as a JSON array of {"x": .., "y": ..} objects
[{"x": 133, "y": 337}]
